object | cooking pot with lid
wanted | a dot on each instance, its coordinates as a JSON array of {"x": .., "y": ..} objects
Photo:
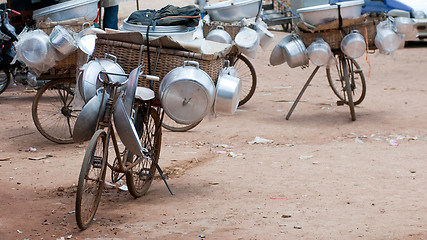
[
  {"x": 319, "y": 52},
  {"x": 187, "y": 93},
  {"x": 353, "y": 45}
]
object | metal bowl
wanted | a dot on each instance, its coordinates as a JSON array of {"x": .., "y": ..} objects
[
  {"x": 326, "y": 13},
  {"x": 234, "y": 10},
  {"x": 68, "y": 10}
]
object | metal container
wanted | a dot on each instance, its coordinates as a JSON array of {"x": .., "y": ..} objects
[
  {"x": 403, "y": 25},
  {"x": 87, "y": 37},
  {"x": 68, "y": 10},
  {"x": 85, "y": 125},
  {"x": 247, "y": 41},
  {"x": 227, "y": 93},
  {"x": 109, "y": 63},
  {"x": 387, "y": 41},
  {"x": 319, "y": 52},
  {"x": 62, "y": 40},
  {"x": 265, "y": 36},
  {"x": 295, "y": 52},
  {"x": 234, "y": 10},
  {"x": 277, "y": 56},
  {"x": 35, "y": 48},
  {"x": 90, "y": 78},
  {"x": 219, "y": 35},
  {"x": 126, "y": 129},
  {"x": 325, "y": 13},
  {"x": 187, "y": 93},
  {"x": 353, "y": 45}
]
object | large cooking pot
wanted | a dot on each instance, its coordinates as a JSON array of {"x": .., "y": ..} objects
[
  {"x": 247, "y": 41},
  {"x": 187, "y": 93},
  {"x": 35, "y": 48},
  {"x": 403, "y": 25},
  {"x": 109, "y": 63},
  {"x": 295, "y": 52},
  {"x": 277, "y": 56},
  {"x": 227, "y": 92},
  {"x": 219, "y": 35},
  {"x": 319, "y": 52},
  {"x": 353, "y": 45},
  {"x": 62, "y": 40},
  {"x": 90, "y": 78},
  {"x": 387, "y": 41}
]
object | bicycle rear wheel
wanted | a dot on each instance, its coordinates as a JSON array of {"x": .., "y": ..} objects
[
  {"x": 4, "y": 80},
  {"x": 140, "y": 177},
  {"x": 348, "y": 95},
  {"x": 356, "y": 78},
  {"x": 52, "y": 110},
  {"x": 91, "y": 179},
  {"x": 246, "y": 73}
]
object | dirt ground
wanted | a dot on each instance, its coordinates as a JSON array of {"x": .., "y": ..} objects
[{"x": 322, "y": 176}]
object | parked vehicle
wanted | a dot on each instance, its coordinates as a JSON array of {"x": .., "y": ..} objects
[{"x": 9, "y": 70}]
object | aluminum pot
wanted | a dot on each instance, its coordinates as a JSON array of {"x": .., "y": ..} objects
[
  {"x": 93, "y": 110},
  {"x": 387, "y": 41},
  {"x": 90, "y": 78},
  {"x": 319, "y": 52},
  {"x": 35, "y": 48},
  {"x": 265, "y": 36},
  {"x": 187, "y": 93},
  {"x": 227, "y": 93},
  {"x": 247, "y": 41},
  {"x": 62, "y": 40},
  {"x": 403, "y": 25},
  {"x": 109, "y": 63},
  {"x": 295, "y": 52},
  {"x": 353, "y": 45},
  {"x": 219, "y": 35},
  {"x": 277, "y": 56},
  {"x": 86, "y": 38}
]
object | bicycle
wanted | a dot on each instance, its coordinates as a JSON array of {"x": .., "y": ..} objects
[{"x": 137, "y": 164}]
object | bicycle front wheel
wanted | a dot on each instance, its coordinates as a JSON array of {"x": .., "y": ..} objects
[
  {"x": 53, "y": 112},
  {"x": 246, "y": 73},
  {"x": 348, "y": 96},
  {"x": 356, "y": 78},
  {"x": 91, "y": 179},
  {"x": 140, "y": 177},
  {"x": 4, "y": 80}
]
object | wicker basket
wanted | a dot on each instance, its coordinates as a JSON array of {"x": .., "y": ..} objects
[
  {"x": 334, "y": 37},
  {"x": 131, "y": 55},
  {"x": 230, "y": 28}
]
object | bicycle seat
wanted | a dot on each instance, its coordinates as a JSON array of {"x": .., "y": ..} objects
[{"x": 144, "y": 94}]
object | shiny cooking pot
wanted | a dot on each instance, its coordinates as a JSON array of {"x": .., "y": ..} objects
[
  {"x": 319, "y": 52},
  {"x": 219, "y": 35},
  {"x": 387, "y": 41},
  {"x": 403, "y": 25},
  {"x": 295, "y": 51},
  {"x": 62, "y": 40},
  {"x": 187, "y": 93},
  {"x": 353, "y": 45},
  {"x": 227, "y": 92}
]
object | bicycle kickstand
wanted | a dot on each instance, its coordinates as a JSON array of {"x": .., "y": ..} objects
[{"x": 163, "y": 177}]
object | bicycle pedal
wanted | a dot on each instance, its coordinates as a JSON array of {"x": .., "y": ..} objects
[
  {"x": 340, "y": 103},
  {"x": 145, "y": 174},
  {"x": 97, "y": 162}
]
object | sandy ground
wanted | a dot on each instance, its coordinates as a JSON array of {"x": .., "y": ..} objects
[{"x": 322, "y": 176}]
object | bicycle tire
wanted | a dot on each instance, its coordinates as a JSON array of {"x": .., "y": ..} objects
[
  {"x": 246, "y": 73},
  {"x": 140, "y": 177},
  {"x": 52, "y": 110},
  {"x": 173, "y": 126},
  {"x": 357, "y": 80},
  {"x": 90, "y": 187},
  {"x": 349, "y": 99},
  {"x": 4, "y": 80}
]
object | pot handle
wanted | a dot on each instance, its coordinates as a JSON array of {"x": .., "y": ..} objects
[
  {"x": 107, "y": 55},
  {"x": 196, "y": 64},
  {"x": 220, "y": 27},
  {"x": 84, "y": 24}
]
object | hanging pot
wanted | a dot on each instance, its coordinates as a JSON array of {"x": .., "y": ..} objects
[
  {"x": 87, "y": 37},
  {"x": 90, "y": 79},
  {"x": 219, "y": 35},
  {"x": 247, "y": 41},
  {"x": 387, "y": 41},
  {"x": 187, "y": 93},
  {"x": 277, "y": 56},
  {"x": 62, "y": 40},
  {"x": 319, "y": 52},
  {"x": 109, "y": 63},
  {"x": 353, "y": 45},
  {"x": 227, "y": 92},
  {"x": 295, "y": 52},
  {"x": 403, "y": 25}
]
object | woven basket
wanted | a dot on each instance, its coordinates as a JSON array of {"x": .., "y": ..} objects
[
  {"x": 131, "y": 55},
  {"x": 334, "y": 37},
  {"x": 230, "y": 28}
]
